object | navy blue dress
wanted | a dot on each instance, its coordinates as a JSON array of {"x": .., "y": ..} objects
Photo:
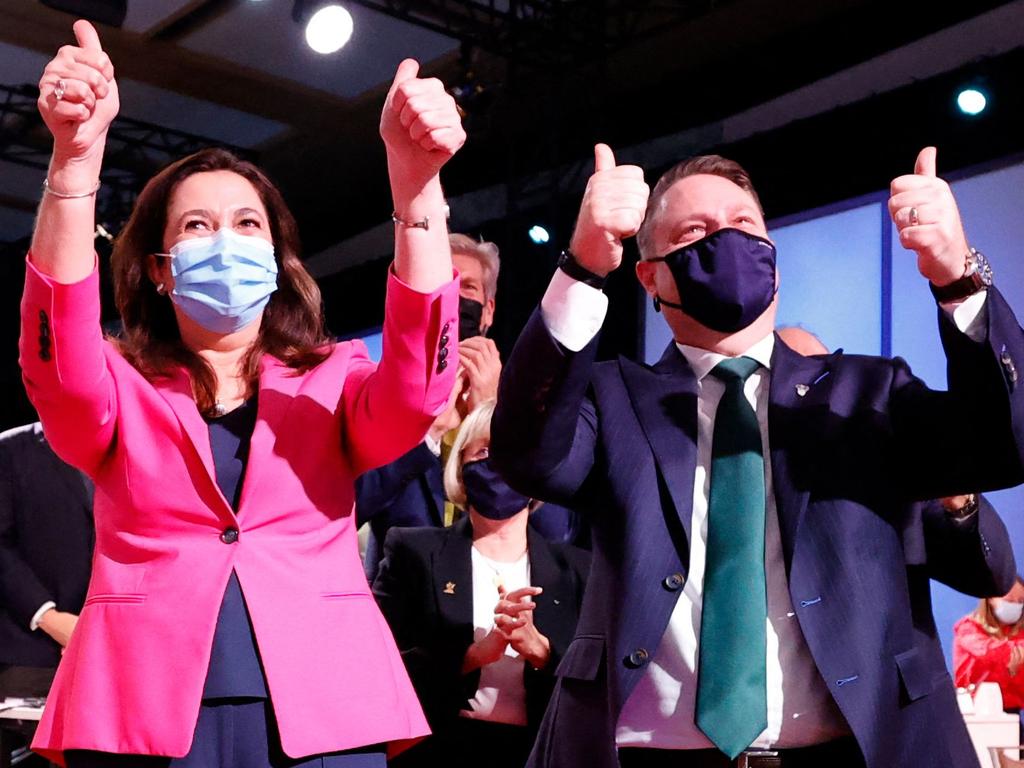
[{"x": 236, "y": 726}]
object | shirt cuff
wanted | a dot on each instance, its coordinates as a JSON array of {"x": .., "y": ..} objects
[
  {"x": 573, "y": 312},
  {"x": 434, "y": 446},
  {"x": 37, "y": 617},
  {"x": 969, "y": 315}
]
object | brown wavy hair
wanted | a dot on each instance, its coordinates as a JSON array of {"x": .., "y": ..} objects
[{"x": 293, "y": 322}]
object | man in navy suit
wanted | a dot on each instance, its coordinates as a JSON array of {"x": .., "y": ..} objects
[
  {"x": 841, "y": 666},
  {"x": 46, "y": 542}
]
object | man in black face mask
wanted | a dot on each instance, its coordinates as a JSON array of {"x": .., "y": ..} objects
[
  {"x": 748, "y": 603},
  {"x": 409, "y": 491}
]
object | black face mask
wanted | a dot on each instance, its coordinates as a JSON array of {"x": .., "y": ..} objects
[
  {"x": 725, "y": 280},
  {"x": 488, "y": 494},
  {"x": 471, "y": 312}
]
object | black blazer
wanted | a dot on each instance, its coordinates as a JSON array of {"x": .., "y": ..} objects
[
  {"x": 425, "y": 590},
  {"x": 46, "y": 542}
]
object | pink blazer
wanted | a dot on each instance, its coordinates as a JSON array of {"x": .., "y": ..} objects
[{"x": 132, "y": 677}]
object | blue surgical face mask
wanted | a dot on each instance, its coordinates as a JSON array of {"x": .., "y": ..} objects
[{"x": 223, "y": 282}]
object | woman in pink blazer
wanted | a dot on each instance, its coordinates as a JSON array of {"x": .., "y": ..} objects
[{"x": 228, "y": 621}]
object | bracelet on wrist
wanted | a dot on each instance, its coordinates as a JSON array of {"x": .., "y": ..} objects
[
  {"x": 423, "y": 223},
  {"x": 47, "y": 189}
]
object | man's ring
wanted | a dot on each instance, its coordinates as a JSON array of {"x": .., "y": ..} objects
[
  {"x": 58, "y": 91},
  {"x": 914, "y": 218}
]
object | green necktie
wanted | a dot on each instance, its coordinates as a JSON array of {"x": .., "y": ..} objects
[{"x": 731, "y": 687}]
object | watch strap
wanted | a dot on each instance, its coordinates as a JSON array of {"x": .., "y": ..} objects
[{"x": 568, "y": 264}]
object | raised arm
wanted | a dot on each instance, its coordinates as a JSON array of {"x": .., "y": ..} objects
[
  {"x": 77, "y": 100},
  {"x": 61, "y": 347},
  {"x": 387, "y": 411}
]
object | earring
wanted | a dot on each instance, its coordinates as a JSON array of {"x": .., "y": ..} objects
[
  {"x": 657, "y": 304},
  {"x": 161, "y": 289}
]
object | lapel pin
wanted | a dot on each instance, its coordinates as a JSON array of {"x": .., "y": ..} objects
[
  {"x": 449, "y": 588},
  {"x": 802, "y": 389},
  {"x": 556, "y": 601}
]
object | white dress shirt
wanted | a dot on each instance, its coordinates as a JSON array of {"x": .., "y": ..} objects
[{"x": 660, "y": 712}]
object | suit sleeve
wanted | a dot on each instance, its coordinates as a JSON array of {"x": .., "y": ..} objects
[
  {"x": 985, "y": 400},
  {"x": 973, "y": 556},
  {"x": 63, "y": 364},
  {"x": 544, "y": 429},
  {"x": 21, "y": 591},
  {"x": 377, "y": 489},
  {"x": 389, "y": 407}
]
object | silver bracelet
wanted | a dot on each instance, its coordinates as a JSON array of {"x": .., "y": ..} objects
[
  {"x": 68, "y": 196},
  {"x": 423, "y": 223}
]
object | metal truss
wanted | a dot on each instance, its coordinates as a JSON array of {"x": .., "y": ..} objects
[
  {"x": 135, "y": 151},
  {"x": 545, "y": 31}
]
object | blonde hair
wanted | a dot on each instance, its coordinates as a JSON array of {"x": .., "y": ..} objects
[
  {"x": 475, "y": 426},
  {"x": 987, "y": 619},
  {"x": 484, "y": 252}
]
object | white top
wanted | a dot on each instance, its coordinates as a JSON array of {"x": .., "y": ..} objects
[
  {"x": 501, "y": 695},
  {"x": 660, "y": 712}
]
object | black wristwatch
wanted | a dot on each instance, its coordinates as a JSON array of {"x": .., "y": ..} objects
[
  {"x": 977, "y": 277},
  {"x": 568, "y": 264}
]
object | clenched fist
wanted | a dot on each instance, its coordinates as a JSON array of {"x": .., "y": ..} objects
[
  {"x": 925, "y": 213},
  {"x": 420, "y": 125},
  {"x": 613, "y": 208}
]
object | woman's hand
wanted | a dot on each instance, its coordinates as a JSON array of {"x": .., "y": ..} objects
[
  {"x": 78, "y": 100},
  {"x": 484, "y": 651},
  {"x": 421, "y": 127},
  {"x": 514, "y": 617}
]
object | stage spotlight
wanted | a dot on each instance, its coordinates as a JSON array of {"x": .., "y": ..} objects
[
  {"x": 109, "y": 12},
  {"x": 971, "y": 101},
  {"x": 538, "y": 234},
  {"x": 328, "y": 25}
]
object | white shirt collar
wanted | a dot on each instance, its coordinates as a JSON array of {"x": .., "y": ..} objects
[{"x": 702, "y": 361}]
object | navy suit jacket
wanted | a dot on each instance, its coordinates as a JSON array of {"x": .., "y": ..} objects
[
  {"x": 847, "y": 457},
  {"x": 407, "y": 493},
  {"x": 46, "y": 542}
]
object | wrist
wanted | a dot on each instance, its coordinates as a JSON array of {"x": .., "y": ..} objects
[
  {"x": 412, "y": 194},
  {"x": 571, "y": 265}
]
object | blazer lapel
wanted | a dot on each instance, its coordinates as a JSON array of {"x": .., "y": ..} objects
[
  {"x": 177, "y": 391},
  {"x": 453, "y": 576},
  {"x": 555, "y": 604},
  {"x": 664, "y": 398},
  {"x": 799, "y": 387}
]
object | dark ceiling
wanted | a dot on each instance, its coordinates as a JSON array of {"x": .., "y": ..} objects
[{"x": 543, "y": 80}]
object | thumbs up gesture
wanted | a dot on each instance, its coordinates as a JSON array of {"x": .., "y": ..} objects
[
  {"x": 420, "y": 125},
  {"x": 613, "y": 208},
  {"x": 925, "y": 213},
  {"x": 78, "y": 96}
]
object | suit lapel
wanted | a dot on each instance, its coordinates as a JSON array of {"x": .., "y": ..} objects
[
  {"x": 551, "y": 611},
  {"x": 453, "y": 576},
  {"x": 177, "y": 391},
  {"x": 664, "y": 398},
  {"x": 799, "y": 387}
]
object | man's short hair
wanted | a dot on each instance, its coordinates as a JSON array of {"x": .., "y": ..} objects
[
  {"x": 713, "y": 165},
  {"x": 484, "y": 252}
]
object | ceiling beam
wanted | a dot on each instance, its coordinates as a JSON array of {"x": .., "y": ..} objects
[{"x": 165, "y": 65}]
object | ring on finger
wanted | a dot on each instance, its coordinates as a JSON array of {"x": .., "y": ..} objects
[
  {"x": 59, "y": 90},
  {"x": 914, "y": 217}
]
